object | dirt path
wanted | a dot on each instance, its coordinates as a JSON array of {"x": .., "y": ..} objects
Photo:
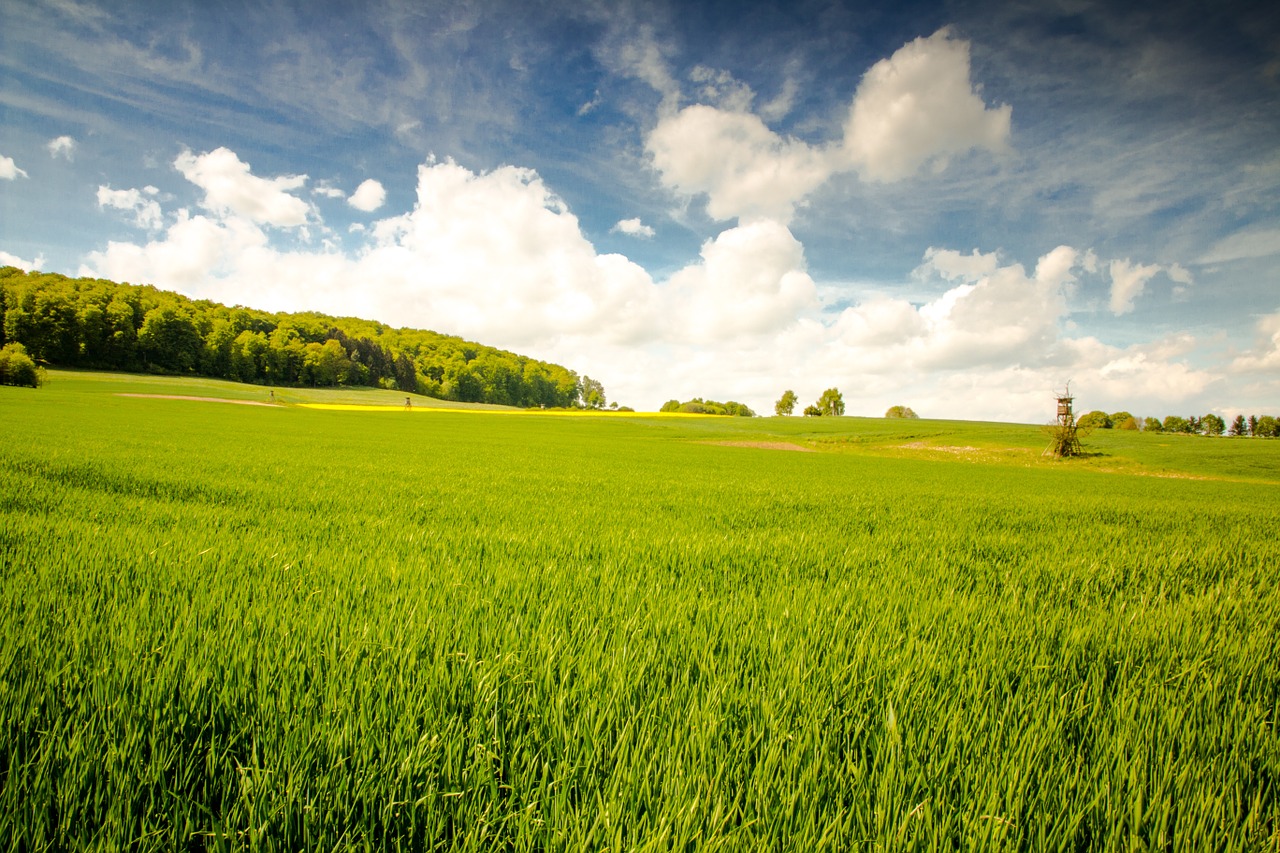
[{"x": 766, "y": 445}]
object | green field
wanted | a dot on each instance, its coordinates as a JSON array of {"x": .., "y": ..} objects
[{"x": 242, "y": 627}]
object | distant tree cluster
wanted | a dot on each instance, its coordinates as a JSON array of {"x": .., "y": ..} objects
[
  {"x": 100, "y": 324},
  {"x": 1210, "y": 424},
  {"x": 699, "y": 406},
  {"x": 831, "y": 404},
  {"x": 900, "y": 412}
]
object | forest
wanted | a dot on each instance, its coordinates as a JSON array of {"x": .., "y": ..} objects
[{"x": 99, "y": 324}]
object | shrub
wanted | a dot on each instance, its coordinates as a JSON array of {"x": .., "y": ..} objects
[
  {"x": 16, "y": 367},
  {"x": 1094, "y": 420}
]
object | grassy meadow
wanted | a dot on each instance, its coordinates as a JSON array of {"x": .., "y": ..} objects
[{"x": 236, "y": 627}]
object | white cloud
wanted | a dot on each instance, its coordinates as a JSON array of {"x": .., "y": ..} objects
[
  {"x": 368, "y": 197},
  {"x": 231, "y": 189},
  {"x": 9, "y": 170},
  {"x": 745, "y": 169},
  {"x": 751, "y": 280},
  {"x": 1127, "y": 283},
  {"x": 195, "y": 255},
  {"x": 634, "y": 228},
  {"x": 919, "y": 107},
  {"x": 1252, "y": 243},
  {"x": 590, "y": 106},
  {"x": 953, "y": 265},
  {"x": 327, "y": 190},
  {"x": 721, "y": 89},
  {"x": 9, "y": 260},
  {"x": 632, "y": 49},
  {"x": 146, "y": 211},
  {"x": 63, "y": 146},
  {"x": 495, "y": 256},
  {"x": 777, "y": 108},
  {"x": 1265, "y": 355}
]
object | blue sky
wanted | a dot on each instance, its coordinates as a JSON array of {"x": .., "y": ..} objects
[{"x": 953, "y": 206}]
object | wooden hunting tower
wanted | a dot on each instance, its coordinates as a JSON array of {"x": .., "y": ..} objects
[{"x": 1064, "y": 440}]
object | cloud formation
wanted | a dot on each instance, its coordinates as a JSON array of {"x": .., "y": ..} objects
[
  {"x": 634, "y": 228},
  {"x": 745, "y": 169},
  {"x": 919, "y": 107},
  {"x": 1127, "y": 282},
  {"x": 1243, "y": 245},
  {"x": 9, "y": 170},
  {"x": 751, "y": 280},
  {"x": 62, "y": 146},
  {"x": 142, "y": 203},
  {"x": 231, "y": 188},
  {"x": 368, "y": 197},
  {"x": 10, "y": 260}
]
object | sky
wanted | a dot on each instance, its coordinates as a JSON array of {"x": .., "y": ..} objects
[{"x": 954, "y": 206}]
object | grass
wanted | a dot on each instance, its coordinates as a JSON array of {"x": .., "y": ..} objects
[{"x": 233, "y": 627}]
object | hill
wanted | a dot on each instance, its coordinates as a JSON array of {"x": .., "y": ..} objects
[{"x": 106, "y": 325}]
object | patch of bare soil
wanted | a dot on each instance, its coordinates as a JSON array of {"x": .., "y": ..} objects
[
  {"x": 766, "y": 445},
  {"x": 199, "y": 399},
  {"x": 941, "y": 448}
]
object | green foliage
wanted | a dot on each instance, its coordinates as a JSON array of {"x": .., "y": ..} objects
[
  {"x": 243, "y": 627},
  {"x": 1268, "y": 427},
  {"x": 1211, "y": 424},
  {"x": 1118, "y": 419},
  {"x": 1130, "y": 423},
  {"x": 1238, "y": 426},
  {"x": 102, "y": 324},
  {"x": 16, "y": 367},
  {"x": 592, "y": 393},
  {"x": 813, "y": 411},
  {"x": 900, "y": 412},
  {"x": 1152, "y": 425},
  {"x": 1173, "y": 423},
  {"x": 786, "y": 403},
  {"x": 169, "y": 339},
  {"x": 699, "y": 406},
  {"x": 1094, "y": 420},
  {"x": 670, "y": 406},
  {"x": 831, "y": 402}
]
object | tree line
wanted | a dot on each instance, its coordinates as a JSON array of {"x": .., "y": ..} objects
[
  {"x": 1210, "y": 424},
  {"x": 100, "y": 324}
]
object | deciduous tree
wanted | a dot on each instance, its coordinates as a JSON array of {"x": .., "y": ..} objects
[
  {"x": 1211, "y": 424},
  {"x": 831, "y": 402}
]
